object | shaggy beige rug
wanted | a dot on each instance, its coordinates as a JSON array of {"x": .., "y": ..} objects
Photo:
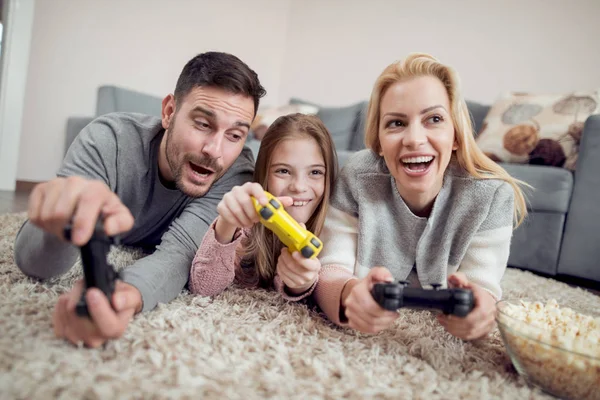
[{"x": 249, "y": 344}]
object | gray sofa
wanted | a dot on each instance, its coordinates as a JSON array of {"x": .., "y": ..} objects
[{"x": 560, "y": 236}]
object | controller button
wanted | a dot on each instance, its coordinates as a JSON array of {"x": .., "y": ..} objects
[
  {"x": 315, "y": 242},
  {"x": 266, "y": 213},
  {"x": 307, "y": 252},
  {"x": 274, "y": 203}
]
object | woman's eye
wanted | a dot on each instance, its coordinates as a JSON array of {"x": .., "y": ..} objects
[
  {"x": 395, "y": 124},
  {"x": 436, "y": 119}
]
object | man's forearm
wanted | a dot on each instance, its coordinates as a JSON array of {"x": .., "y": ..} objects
[{"x": 42, "y": 255}]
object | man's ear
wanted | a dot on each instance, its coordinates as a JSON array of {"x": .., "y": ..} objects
[{"x": 168, "y": 110}]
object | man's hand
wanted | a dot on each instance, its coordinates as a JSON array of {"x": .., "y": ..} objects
[
  {"x": 53, "y": 204},
  {"x": 296, "y": 272},
  {"x": 480, "y": 320},
  {"x": 362, "y": 311},
  {"x": 104, "y": 322}
]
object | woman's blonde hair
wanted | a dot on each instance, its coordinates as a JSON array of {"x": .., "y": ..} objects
[
  {"x": 260, "y": 252},
  {"x": 468, "y": 154}
]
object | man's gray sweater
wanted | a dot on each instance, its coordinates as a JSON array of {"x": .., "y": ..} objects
[{"x": 122, "y": 151}]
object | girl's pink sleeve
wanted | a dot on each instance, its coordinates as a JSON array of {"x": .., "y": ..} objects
[
  {"x": 280, "y": 287},
  {"x": 214, "y": 265},
  {"x": 328, "y": 291}
]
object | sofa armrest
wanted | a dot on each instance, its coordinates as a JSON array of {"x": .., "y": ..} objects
[
  {"x": 74, "y": 126},
  {"x": 580, "y": 251}
]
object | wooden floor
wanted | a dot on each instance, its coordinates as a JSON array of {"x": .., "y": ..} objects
[{"x": 13, "y": 201}]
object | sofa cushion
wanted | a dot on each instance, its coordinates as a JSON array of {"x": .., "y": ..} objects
[
  {"x": 537, "y": 129},
  {"x": 478, "y": 112},
  {"x": 552, "y": 186},
  {"x": 340, "y": 121}
]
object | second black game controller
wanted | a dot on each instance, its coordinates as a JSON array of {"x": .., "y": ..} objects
[
  {"x": 97, "y": 271},
  {"x": 393, "y": 296}
]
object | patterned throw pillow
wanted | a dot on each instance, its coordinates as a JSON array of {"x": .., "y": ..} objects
[
  {"x": 537, "y": 129},
  {"x": 265, "y": 117}
]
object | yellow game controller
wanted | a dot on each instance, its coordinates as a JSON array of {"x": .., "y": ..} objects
[{"x": 290, "y": 232}]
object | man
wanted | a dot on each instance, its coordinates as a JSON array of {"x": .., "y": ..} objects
[{"x": 157, "y": 181}]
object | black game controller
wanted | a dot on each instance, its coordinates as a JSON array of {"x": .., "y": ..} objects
[
  {"x": 392, "y": 296},
  {"x": 97, "y": 271}
]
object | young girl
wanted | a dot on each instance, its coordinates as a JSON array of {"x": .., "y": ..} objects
[{"x": 297, "y": 163}]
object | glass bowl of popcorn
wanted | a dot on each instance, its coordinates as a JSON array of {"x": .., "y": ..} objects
[{"x": 552, "y": 347}]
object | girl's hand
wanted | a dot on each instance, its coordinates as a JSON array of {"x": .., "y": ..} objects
[
  {"x": 236, "y": 209},
  {"x": 296, "y": 272},
  {"x": 481, "y": 319},
  {"x": 362, "y": 311}
]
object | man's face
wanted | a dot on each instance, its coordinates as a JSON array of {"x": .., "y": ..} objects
[{"x": 204, "y": 136}]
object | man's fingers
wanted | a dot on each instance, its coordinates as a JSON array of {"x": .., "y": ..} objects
[
  {"x": 87, "y": 213},
  {"x": 104, "y": 317},
  {"x": 58, "y": 316},
  {"x": 36, "y": 199},
  {"x": 126, "y": 296},
  {"x": 117, "y": 217}
]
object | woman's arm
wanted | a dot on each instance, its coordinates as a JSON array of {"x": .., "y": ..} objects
[
  {"x": 338, "y": 257},
  {"x": 486, "y": 257},
  {"x": 213, "y": 267}
]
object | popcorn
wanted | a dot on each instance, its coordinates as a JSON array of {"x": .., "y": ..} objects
[{"x": 553, "y": 347}]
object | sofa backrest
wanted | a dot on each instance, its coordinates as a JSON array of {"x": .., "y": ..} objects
[{"x": 118, "y": 99}]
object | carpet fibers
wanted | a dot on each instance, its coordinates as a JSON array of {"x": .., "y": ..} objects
[{"x": 249, "y": 344}]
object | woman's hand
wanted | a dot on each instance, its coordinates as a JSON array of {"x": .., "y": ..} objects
[
  {"x": 236, "y": 209},
  {"x": 362, "y": 311},
  {"x": 296, "y": 272},
  {"x": 481, "y": 319}
]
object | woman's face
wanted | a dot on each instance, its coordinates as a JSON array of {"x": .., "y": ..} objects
[
  {"x": 297, "y": 170},
  {"x": 416, "y": 133}
]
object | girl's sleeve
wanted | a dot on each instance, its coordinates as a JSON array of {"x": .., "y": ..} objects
[{"x": 214, "y": 265}]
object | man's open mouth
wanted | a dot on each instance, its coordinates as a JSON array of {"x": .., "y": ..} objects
[
  {"x": 200, "y": 170},
  {"x": 417, "y": 164}
]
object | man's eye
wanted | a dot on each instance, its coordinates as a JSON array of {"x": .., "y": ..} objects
[{"x": 202, "y": 125}]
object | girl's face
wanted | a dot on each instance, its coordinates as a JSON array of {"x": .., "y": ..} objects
[
  {"x": 297, "y": 170},
  {"x": 416, "y": 133}
]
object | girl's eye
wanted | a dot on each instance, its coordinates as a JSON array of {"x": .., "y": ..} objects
[
  {"x": 282, "y": 171},
  {"x": 396, "y": 123},
  {"x": 317, "y": 172}
]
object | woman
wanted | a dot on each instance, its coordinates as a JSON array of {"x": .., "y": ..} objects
[{"x": 422, "y": 201}]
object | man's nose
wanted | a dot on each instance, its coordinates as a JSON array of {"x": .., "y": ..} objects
[{"x": 213, "y": 145}]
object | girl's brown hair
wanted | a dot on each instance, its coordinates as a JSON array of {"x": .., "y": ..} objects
[{"x": 261, "y": 249}]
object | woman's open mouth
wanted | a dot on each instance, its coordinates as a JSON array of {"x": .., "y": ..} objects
[{"x": 416, "y": 166}]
